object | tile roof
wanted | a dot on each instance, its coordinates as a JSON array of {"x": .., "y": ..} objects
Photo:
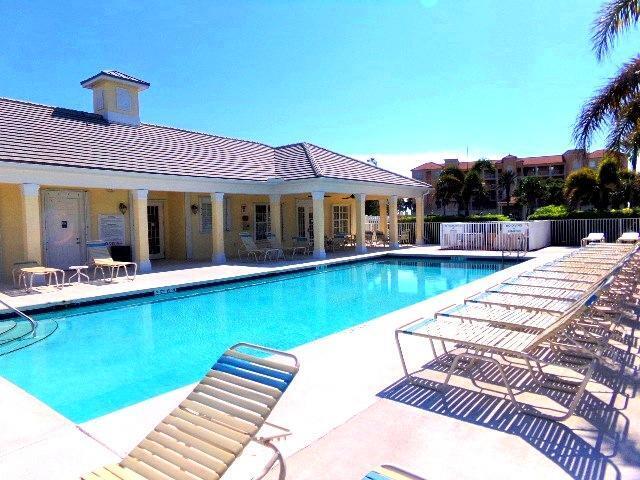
[
  {"x": 428, "y": 166},
  {"x": 39, "y": 134},
  {"x": 118, "y": 75},
  {"x": 542, "y": 161}
]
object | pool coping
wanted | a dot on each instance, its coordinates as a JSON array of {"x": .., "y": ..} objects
[{"x": 173, "y": 287}]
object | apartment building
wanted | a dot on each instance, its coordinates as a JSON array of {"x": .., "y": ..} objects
[{"x": 548, "y": 166}]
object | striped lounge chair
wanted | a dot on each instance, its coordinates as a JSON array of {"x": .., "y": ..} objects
[
  {"x": 203, "y": 436},
  {"x": 388, "y": 472}
]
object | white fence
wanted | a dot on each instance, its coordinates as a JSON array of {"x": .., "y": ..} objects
[
  {"x": 563, "y": 232},
  {"x": 406, "y": 230},
  {"x": 569, "y": 232}
]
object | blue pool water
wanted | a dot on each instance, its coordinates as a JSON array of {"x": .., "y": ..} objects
[{"x": 107, "y": 356}]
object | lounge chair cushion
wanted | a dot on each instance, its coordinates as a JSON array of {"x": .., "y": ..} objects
[{"x": 386, "y": 473}]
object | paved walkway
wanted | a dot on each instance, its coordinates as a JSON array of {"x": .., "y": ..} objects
[{"x": 340, "y": 425}]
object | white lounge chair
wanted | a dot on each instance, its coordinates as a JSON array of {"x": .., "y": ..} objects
[
  {"x": 629, "y": 237},
  {"x": 593, "y": 238},
  {"x": 100, "y": 259},
  {"x": 204, "y": 435},
  {"x": 250, "y": 249}
]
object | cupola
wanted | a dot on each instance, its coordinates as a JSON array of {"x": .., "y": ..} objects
[{"x": 115, "y": 96}]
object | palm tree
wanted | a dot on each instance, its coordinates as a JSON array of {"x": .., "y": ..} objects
[
  {"x": 581, "y": 187},
  {"x": 529, "y": 191},
  {"x": 505, "y": 182},
  {"x": 616, "y": 105},
  {"x": 472, "y": 189},
  {"x": 449, "y": 187}
]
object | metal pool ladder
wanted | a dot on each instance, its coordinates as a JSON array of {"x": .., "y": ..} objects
[{"x": 32, "y": 322}]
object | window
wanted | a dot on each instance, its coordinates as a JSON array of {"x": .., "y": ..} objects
[
  {"x": 206, "y": 215},
  {"x": 302, "y": 227},
  {"x": 262, "y": 221},
  {"x": 592, "y": 164},
  {"x": 123, "y": 100},
  {"x": 341, "y": 219}
]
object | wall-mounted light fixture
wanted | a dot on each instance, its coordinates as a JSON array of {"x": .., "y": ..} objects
[
  {"x": 123, "y": 208},
  {"x": 194, "y": 209}
]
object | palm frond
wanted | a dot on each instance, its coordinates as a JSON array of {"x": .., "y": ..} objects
[
  {"x": 613, "y": 18},
  {"x": 600, "y": 109},
  {"x": 625, "y": 124}
]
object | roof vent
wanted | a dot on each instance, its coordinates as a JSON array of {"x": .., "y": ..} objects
[{"x": 115, "y": 96}]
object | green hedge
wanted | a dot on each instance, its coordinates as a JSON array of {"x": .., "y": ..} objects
[
  {"x": 489, "y": 217},
  {"x": 559, "y": 212}
]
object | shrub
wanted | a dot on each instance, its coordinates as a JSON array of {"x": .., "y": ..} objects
[
  {"x": 487, "y": 217},
  {"x": 559, "y": 212},
  {"x": 550, "y": 212}
]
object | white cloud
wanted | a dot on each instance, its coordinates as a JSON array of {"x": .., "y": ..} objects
[{"x": 402, "y": 163}]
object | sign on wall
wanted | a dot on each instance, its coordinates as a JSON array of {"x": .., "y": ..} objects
[
  {"x": 515, "y": 227},
  {"x": 111, "y": 229}
]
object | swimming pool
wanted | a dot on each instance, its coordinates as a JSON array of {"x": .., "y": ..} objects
[{"x": 104, "y": 357}]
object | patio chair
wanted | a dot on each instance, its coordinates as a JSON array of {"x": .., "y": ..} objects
[
  {"x": 338, "y": 242},
  {"x": 248, "y": 247},
  {"x": 389, "y": 472},
  {"x": 381, "y": 238},
  {"x": 368, "y": 238},
  {"x": 100, "y": 259},
  {"x": 16, "y": 271},
  {"x": 204, "y": 435},
  {"x": 300, "y": 245},
  {"x": 629, "y": 237},
  {"x": 404, "y": 238},
  {"x": 593, "y": 238},
  {"x": 275, "y": 245}
]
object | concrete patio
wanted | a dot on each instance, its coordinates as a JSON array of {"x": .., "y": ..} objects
[{"x": 347, "y": 410}]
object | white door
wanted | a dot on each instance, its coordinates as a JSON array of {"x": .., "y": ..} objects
[
  {"x": 155, "y": 218},
  {"x": 64, "y": 228},
  {"x": 304, "y": 212}
]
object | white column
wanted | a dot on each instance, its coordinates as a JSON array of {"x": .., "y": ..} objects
[
  {"x": 31, "y": 233},
  {"x": 360, "y": 246},
  {"x": 382, "y": 207},
  {"x": 419, "y": 220},
  {"x": 276, "y": 217},
  {"x": 393, "y": 221},
  {"x": 318, "y": 225},
  {"x": 141, "y": 229},
  {"x": 217, "y": 228}
]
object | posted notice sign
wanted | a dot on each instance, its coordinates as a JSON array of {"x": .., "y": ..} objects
[{"x": 111, "y": 229}]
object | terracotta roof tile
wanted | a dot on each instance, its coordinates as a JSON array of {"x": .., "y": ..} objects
[{"x": 542, "y": 161}]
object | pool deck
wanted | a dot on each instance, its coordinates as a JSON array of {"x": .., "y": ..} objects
[{"x": 341, "y": 426}]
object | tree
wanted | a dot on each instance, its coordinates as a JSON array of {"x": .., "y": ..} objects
[
  {"x": 473, "y": 189},
  {"x": 484, "y": 166},
  {"x": 629, "y": 192},
  {"x": 581, "y": 187},
  {"x": 505, "y": 183},
  {"x": 449, "y": 187},
  {"x": 529, "y": 191},
  {"x": 616, "y": 106},
  {"x": 608, "y": 181},
  {"x": 553, "y": 191},
  {"x": 372, "y": 207}
]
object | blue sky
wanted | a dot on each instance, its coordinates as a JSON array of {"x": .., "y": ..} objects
[{"x": 405, "y": 81}]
